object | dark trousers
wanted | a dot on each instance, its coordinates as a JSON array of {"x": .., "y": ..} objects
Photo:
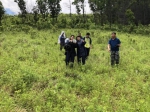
[
  {"x": 79, "y": 58},
  {"x": 69, "y": 58},
  {"x": 114, "y": 57},
  {"x": 61, "y": 46},
  {"x": 87, "y": 52}
]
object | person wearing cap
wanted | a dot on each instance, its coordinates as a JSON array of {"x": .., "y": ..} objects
[
  {"x": 88, "y": 44},
  {"x": 61, "y": 40},
  {"x": 113, "y": 46},
  {"x": 81, "y": 51}
]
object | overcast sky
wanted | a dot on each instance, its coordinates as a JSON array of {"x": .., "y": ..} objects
[{"x": 12, "y": 6}]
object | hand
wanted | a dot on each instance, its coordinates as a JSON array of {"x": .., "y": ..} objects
[
  {"x": 118, "y": 45},
  {"x": 70, "y": 41},
  {"x": 74, "y": 41},
  {"x": 90, "y": 46}
]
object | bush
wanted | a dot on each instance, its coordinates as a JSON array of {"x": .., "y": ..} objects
[
  {"x": 1, "y": 28},
  {"x": 33, "y": 34}
]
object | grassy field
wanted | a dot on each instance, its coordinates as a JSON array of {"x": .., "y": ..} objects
[{"x": 34, "y": 78}]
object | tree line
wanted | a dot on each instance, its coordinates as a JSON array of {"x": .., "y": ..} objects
[{"x": 123, "y": 12}]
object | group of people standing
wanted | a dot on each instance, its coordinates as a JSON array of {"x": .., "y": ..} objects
[
  {"x": 75, "y": 46},
  {"x": 83, "y": 45}
]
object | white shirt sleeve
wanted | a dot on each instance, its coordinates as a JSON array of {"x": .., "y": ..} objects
[{"x": 66, "y": 40}]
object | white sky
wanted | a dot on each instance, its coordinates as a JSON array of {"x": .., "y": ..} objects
[{"x": 10, "y": 4}]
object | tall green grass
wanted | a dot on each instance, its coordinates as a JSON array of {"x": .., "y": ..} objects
[{"x": 34, "y": 78}]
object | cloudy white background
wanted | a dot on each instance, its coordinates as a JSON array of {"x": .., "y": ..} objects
[{"x": 13, "y": 7}]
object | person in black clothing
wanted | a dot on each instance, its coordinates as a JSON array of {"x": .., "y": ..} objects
[
  {"x": 61, "y": 40},
  {"x": 81, "y": 51},
  {"x": 70, "y": 45}
]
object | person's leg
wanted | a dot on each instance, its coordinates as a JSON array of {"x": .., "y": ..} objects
[
  {"x": 117, "y": 57},
  {"x": 71, "y": 60},
  {"x": 61, "y": 47},
  {"x": 83, "y": 60},
  {"x": 87, "y": 52},
  {"x": 78, "y": 59},
  {"x": 112, "y": 58},
  {"x": 67, "y": 59}
]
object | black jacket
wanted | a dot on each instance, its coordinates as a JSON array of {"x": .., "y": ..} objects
[{"x": 70, "y": 48}]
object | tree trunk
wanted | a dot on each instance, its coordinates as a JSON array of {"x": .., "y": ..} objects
[{"x": 83, "y": 12}]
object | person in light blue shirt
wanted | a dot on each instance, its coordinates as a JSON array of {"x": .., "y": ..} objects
[{"x": 113, "y": 46}]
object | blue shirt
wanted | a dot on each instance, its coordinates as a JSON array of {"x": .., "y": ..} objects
[{"x": 114, "y": 44}]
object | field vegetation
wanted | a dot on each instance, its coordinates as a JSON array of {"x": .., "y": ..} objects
[{"x": 34, "y": 78}]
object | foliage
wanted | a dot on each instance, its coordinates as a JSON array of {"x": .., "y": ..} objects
[
  {"x": 130, "y": 16},
  {"x": 22, "y": 6},
  {"x": 33, "y": 76},
  {"x": 54, "y": 6},
  {"x": 1, "y": 12}
]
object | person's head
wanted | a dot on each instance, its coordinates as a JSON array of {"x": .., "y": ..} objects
[
  {"x": 71, "y": 37},
  {"x": 87, "y": 34},
  {"x": 113, "y": 35},
  {"x": 63, "y": 33},
  {"x": 78, "y": 38},
  {"x": 79, "y": 34}
]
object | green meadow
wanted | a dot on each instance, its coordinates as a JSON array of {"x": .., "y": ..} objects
[{"x": 34, "y": 78}]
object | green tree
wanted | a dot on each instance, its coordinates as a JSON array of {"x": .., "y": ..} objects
[
  {"x": 1, "y": 11},
  {"x": 35, "y": 11},
  {"x": 22, "y": 6},
  {"x": 43, "y": 8},
  {"x": 98, "y": 9},
  {"x": 141, "y": 10},
  {"x": 80, "y": 5},
  {"x": 54, "y": 8},
  {"x": 130, "y": 16}
]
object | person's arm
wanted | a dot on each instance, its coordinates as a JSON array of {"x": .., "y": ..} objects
[
  {"x": 109, "y": 47},
  {"x": 74, "y": 43},
  {"x": 83, "y": 42},
  {"x": 66, "y": 41},
  {"x": 90, "y": 43},
  {"x": 119, "y": 43}
]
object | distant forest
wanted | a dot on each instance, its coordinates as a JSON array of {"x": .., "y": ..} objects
[{"x": 105, "y": 13}]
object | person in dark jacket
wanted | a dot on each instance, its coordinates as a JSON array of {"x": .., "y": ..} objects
[
  {"x": 61, "y": 40},
  {"x": 81, "y": 51},
  {"x": 88, "y": 44},
  {"x": 70, "y": 45}
]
